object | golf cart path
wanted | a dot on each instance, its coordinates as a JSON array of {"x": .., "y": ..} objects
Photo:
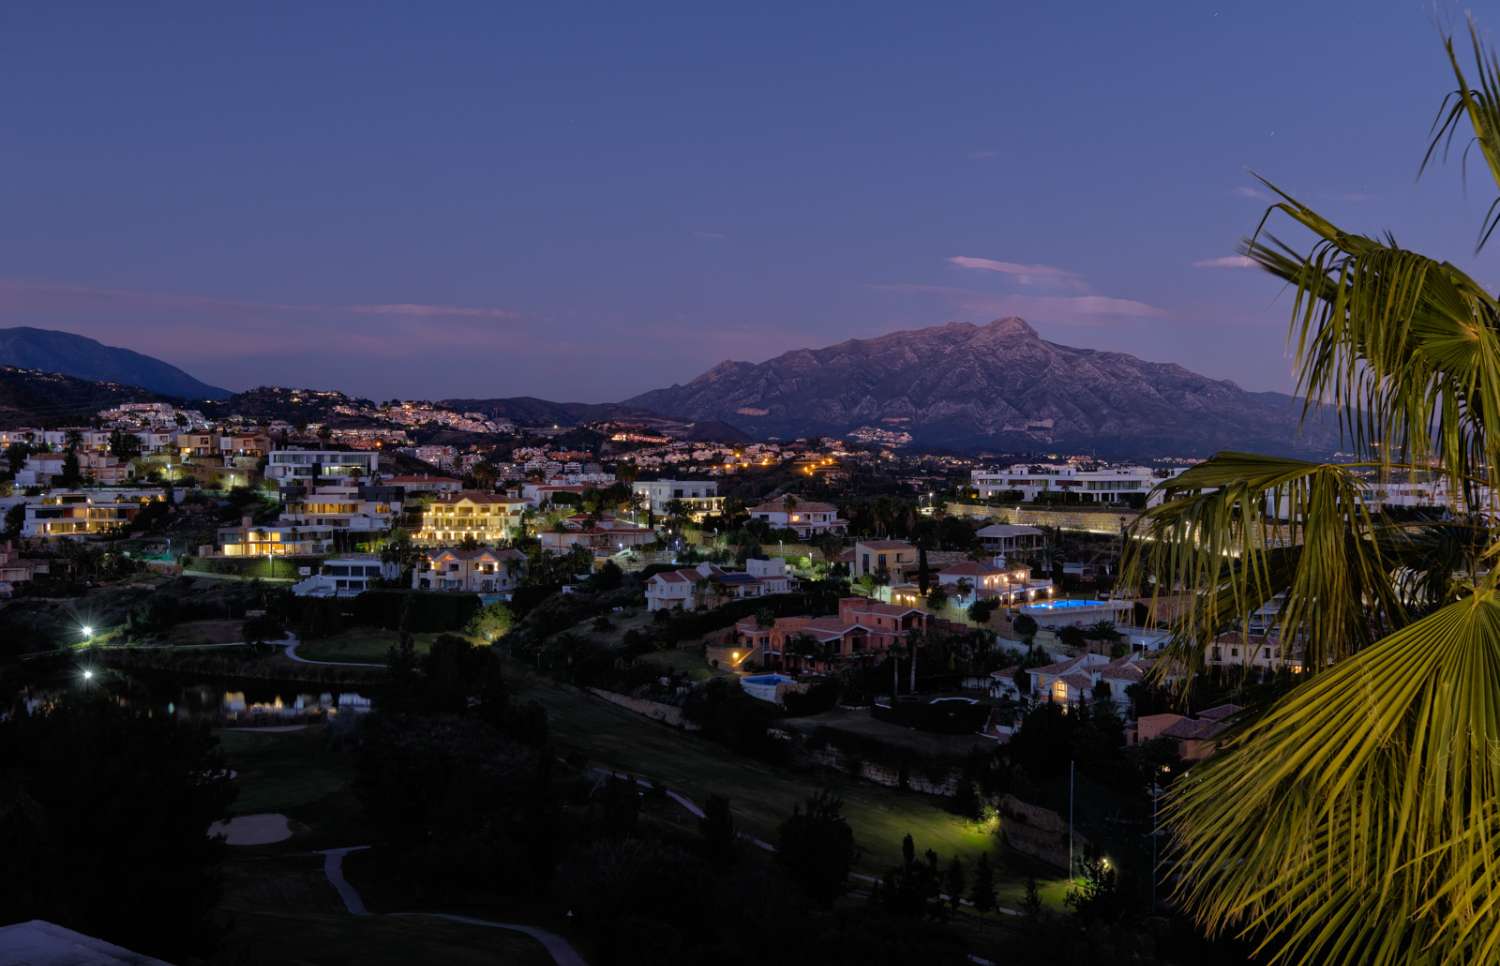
[{"x": 561, "y": 951}]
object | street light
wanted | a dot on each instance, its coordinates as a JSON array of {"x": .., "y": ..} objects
[
  {"x": 88, "y": 674},
  {"x": 88, "y": 632}
]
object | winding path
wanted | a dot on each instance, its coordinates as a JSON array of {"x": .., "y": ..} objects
[
  {"x": 561, "y": 951},
  {"x": 291, "y": 644}
]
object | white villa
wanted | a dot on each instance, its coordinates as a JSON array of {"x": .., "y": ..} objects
[
  {"x": 807, "y": 517},
  {"x": 1108, "y": 484},
  {"x": 477, "y": 571},
  {"x": 707, "y": 585}
]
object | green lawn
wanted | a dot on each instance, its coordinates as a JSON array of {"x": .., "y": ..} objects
[
  {"x": 688, "y": 662},
  {"x": 762, "y": 795},
  {"x": 280, "y": 908},
  {"x": 359, "y": 644},
  {"x": 300, "y": 775}
]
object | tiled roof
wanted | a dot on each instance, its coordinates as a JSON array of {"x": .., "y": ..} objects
[
  {"x": 778, "y": 505},
  {"x": 886, "y": 544},
  {"x": 1221, "y": 712},
  {"x": 970, "y": 568},
  {"x": 1192, "y": 729}
]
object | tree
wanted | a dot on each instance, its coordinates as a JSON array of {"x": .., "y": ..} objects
[
  {"x": 71, "y": 474},
  {"x": 982, "y": 894},
  {"x": 816, "y": 847},
  {"x": 953, "y": 883},
  {"x": 1358, "y": 807},
  {"x": 923, "y": 574},
  {"x": 717, "y": 829},
  {"x": 123, "y": 445},
  {"x": 15, "y": 456},
  {"x": 92, "y": 789},
  {"x": 1025, "y": 627}
]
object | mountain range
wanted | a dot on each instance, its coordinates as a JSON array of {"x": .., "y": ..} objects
[
  {"x": 74, "y": 355},
  {"x": 998, "y": 387}
]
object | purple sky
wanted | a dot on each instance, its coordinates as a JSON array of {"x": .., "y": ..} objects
[{"x": 586, "y": 201}]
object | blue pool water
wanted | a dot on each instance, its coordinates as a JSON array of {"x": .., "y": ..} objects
[
  {"x": 768, "y": 680},
  {"x": 1066, "y": 604}
]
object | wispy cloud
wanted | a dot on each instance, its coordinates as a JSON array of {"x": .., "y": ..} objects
[
  {"x": 1226, "y": 261},
  {"x": 420, "y": 311},
  {"x": 1021, "y": 273},
  {"x": 1057, "y": 309}
]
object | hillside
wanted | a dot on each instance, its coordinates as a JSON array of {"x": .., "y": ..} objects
[
  {"x": 998, "y": 386},
  {"x": 46, "y": 400},
  {"x": 49, "y": 350}
]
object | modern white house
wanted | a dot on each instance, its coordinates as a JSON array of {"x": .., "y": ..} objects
[
  {"x": 1076, "y": 679},
  {"x": 807, "y": 517},
  {"x": 699, "y": 497},
  {"x": 1082, "y": 484},
  {"x": 305, "y": 465},
  {"x": 341, "y": 507},
  {"x": 347, "y": 576}
]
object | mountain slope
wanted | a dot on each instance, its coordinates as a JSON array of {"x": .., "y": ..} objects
[
  {"x": 75, "y": 355},
  {"x": 48, "y": 400},
  {"x": 998, "y": 386}
]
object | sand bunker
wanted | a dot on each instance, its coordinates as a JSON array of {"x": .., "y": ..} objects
[{"x": 253, "y": 829}]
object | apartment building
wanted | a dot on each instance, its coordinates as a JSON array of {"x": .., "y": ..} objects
[
  {"x": 882, "y": 559},
  {"x": 471, "y": 515}
]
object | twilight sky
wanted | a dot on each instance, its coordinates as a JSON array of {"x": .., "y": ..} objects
[{"x": 589, "y": 200}]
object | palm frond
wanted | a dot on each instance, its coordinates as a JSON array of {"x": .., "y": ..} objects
[
  {"x": 1481, "y": 107},
  {"x": 1237, "y": 530},
  {"x": 1406, "y": 348},
  {"x": 1357, "y": 820}
]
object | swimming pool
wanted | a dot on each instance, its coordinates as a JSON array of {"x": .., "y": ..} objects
[
  {"x": 1068, "y": 604},
  {"x": 766, "y": 687}
]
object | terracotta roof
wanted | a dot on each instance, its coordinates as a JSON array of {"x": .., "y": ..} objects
[
  {"x": 1061, "y": 667},
  {"x": 970, "y": 568},
  {"x": 478, "y": 496},
  {"x": 1192, "y": 729},
  {"x": 508, "y": 553},
  {"x": 778, "y": 505},
  {"x": 885, "y": 544},
  {"x": 1221, "y": 712},
  {"x": 1078, "y": 682},
  {"x": 877, "y": 607}
]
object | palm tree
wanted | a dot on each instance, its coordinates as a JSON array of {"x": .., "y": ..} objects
[{"x": 1357, "y": 819}]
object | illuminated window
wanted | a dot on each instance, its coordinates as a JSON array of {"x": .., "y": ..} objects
[{"x": 1060, "y": 691}]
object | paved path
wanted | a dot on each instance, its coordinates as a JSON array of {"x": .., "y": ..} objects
[
  {"x": 693, "y": 809},
  {"x": 561, "y": 951},
  {"x": 291, "y": 644}
]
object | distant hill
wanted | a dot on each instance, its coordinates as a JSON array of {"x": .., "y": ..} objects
[
  {"x": 48, "y": 350},
  {"x": 47, "y": 400},
  {"x": 997, "y": 387},
  {"x": 530, "y": 411}
]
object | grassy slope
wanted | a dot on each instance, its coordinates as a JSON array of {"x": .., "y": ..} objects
[
  {"x": 761, "y": 795},
  {"x": 359, "y": 644}
]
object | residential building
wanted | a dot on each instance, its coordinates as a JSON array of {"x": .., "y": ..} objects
[
  {"x": 16, "y": 570},
  {"x": 1010, "y": 539},
  {"x": 306, "y": 465},
  {"x": 698, "y": 498},
  {"x": 478, "y": 571},
  {"x": 344, "y": 507},
  {"x": 808, "y": 518},
  {"x": 487, "y": 518},
  {"x": 80, "y": 513},
  {"x": 412, "y": 485},
  {"x": 40, "y": 469},
  {"x": 347, "y": 576},
  {"x": 862, "y": 628},
  {"x": 883, "y": 559},
  {"x": 707, "y": 586},
  {"x": 605, "y": 536},
  {"x": 1074, "y": 483},
  {"x": 250, "y": 539},
  {"x": 1196, "y": 736},
  {"x": 1264, "y": 652},
  {"x": 1076, "y": 680}
]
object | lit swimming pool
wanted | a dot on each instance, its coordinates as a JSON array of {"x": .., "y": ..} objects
[
  {"x": 1067, "y": 604},
  {"x": 766, "y": 687}
]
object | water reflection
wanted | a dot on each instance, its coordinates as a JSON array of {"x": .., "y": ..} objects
[{"x": 216, "y": 702}]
